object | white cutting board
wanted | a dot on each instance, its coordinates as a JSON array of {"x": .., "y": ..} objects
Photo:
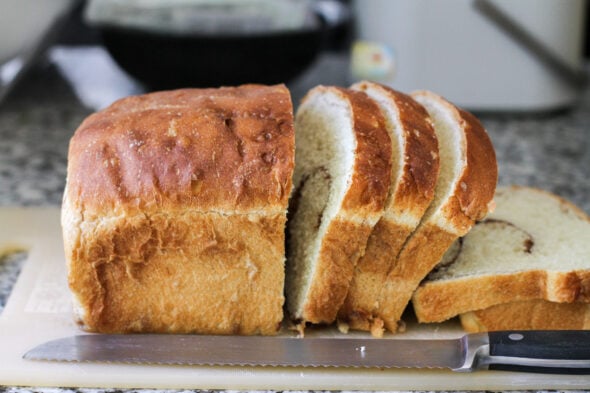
[{"x": 39, "y": 310}]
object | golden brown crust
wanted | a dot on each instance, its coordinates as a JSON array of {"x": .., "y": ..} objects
[
  {"x": 469, "y": 201},
  {"x": 227, "y": 149},
  {"x": 182, "y": 273},
  {"x": 528, "y": 315},
  {"x": 345, "y": 239},
  {"x": 421, "y": 165},
  {"x": 437, "y": 301},
  {"x": 370, "y": 179},
  {"x": 410, "y": 197},
  {"x": 475, "y": 187},
  {"x": 420, "y": 253},
  {"x": 385, "y": 241},
  {"x": 341, "y": 247},
  {"x": 174, "y": 211}
]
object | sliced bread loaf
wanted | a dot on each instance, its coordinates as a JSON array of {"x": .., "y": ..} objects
[
  {"x": 413, "y": 178},
  {"x": 535, "y": 245},
  {"x": 528, "y": 315},
  {"x": 463, "y": 194},
  {"x": 342, "y": 177}
]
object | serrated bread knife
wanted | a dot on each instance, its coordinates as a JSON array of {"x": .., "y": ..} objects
[{"x": 533, "y": 351}]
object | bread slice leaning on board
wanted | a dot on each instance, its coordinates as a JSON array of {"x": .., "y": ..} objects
[
  {"x": 463, "y": 195},
  {"x": 413, "y": 178},
  {"x": 341, "y": 179},
  {"x": 528, "y": 315},
  {"x": 534, "y": 246},
  {"x": 174, "y": 212}
]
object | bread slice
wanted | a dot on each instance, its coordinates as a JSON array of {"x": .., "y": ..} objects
[
  {"x": 535, "y": 245},
  {"x": 463, "y": 194},
  {"x": 342, "y": 177},
  {"x": 413, "y": 178},
  {"x": 174, "y": 212},
  {"x": 528, "y": 315}
]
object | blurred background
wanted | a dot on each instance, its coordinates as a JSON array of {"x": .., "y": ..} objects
[
  {"x": 522, "y": 66},
  {"x": 486, "y": 55}
]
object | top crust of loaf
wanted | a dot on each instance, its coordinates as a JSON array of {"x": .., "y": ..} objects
[
  {"x": 228, "y": 150},
  {"x": 474, "y": 189}
]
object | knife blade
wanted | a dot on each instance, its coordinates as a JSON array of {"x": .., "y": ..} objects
[{"x": 533, "y": 351}]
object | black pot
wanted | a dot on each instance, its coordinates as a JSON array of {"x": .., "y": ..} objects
[{"x": 165, "y": 61}]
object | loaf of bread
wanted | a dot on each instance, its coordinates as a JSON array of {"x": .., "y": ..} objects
[
  {"x": 174, "y": 212},
  {"x": 341, "y": 180},
  {"x": 534, "y": 246},
  {"x": 413, "y": 177},
  {"x": 528, "y": 315},
  {"x": 463, "y": 195}
]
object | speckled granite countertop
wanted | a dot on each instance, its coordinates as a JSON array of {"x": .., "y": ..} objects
[{"x": 550, "y": 151}]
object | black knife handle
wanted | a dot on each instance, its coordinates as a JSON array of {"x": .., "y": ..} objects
[{"x": 551, "y": 344}]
